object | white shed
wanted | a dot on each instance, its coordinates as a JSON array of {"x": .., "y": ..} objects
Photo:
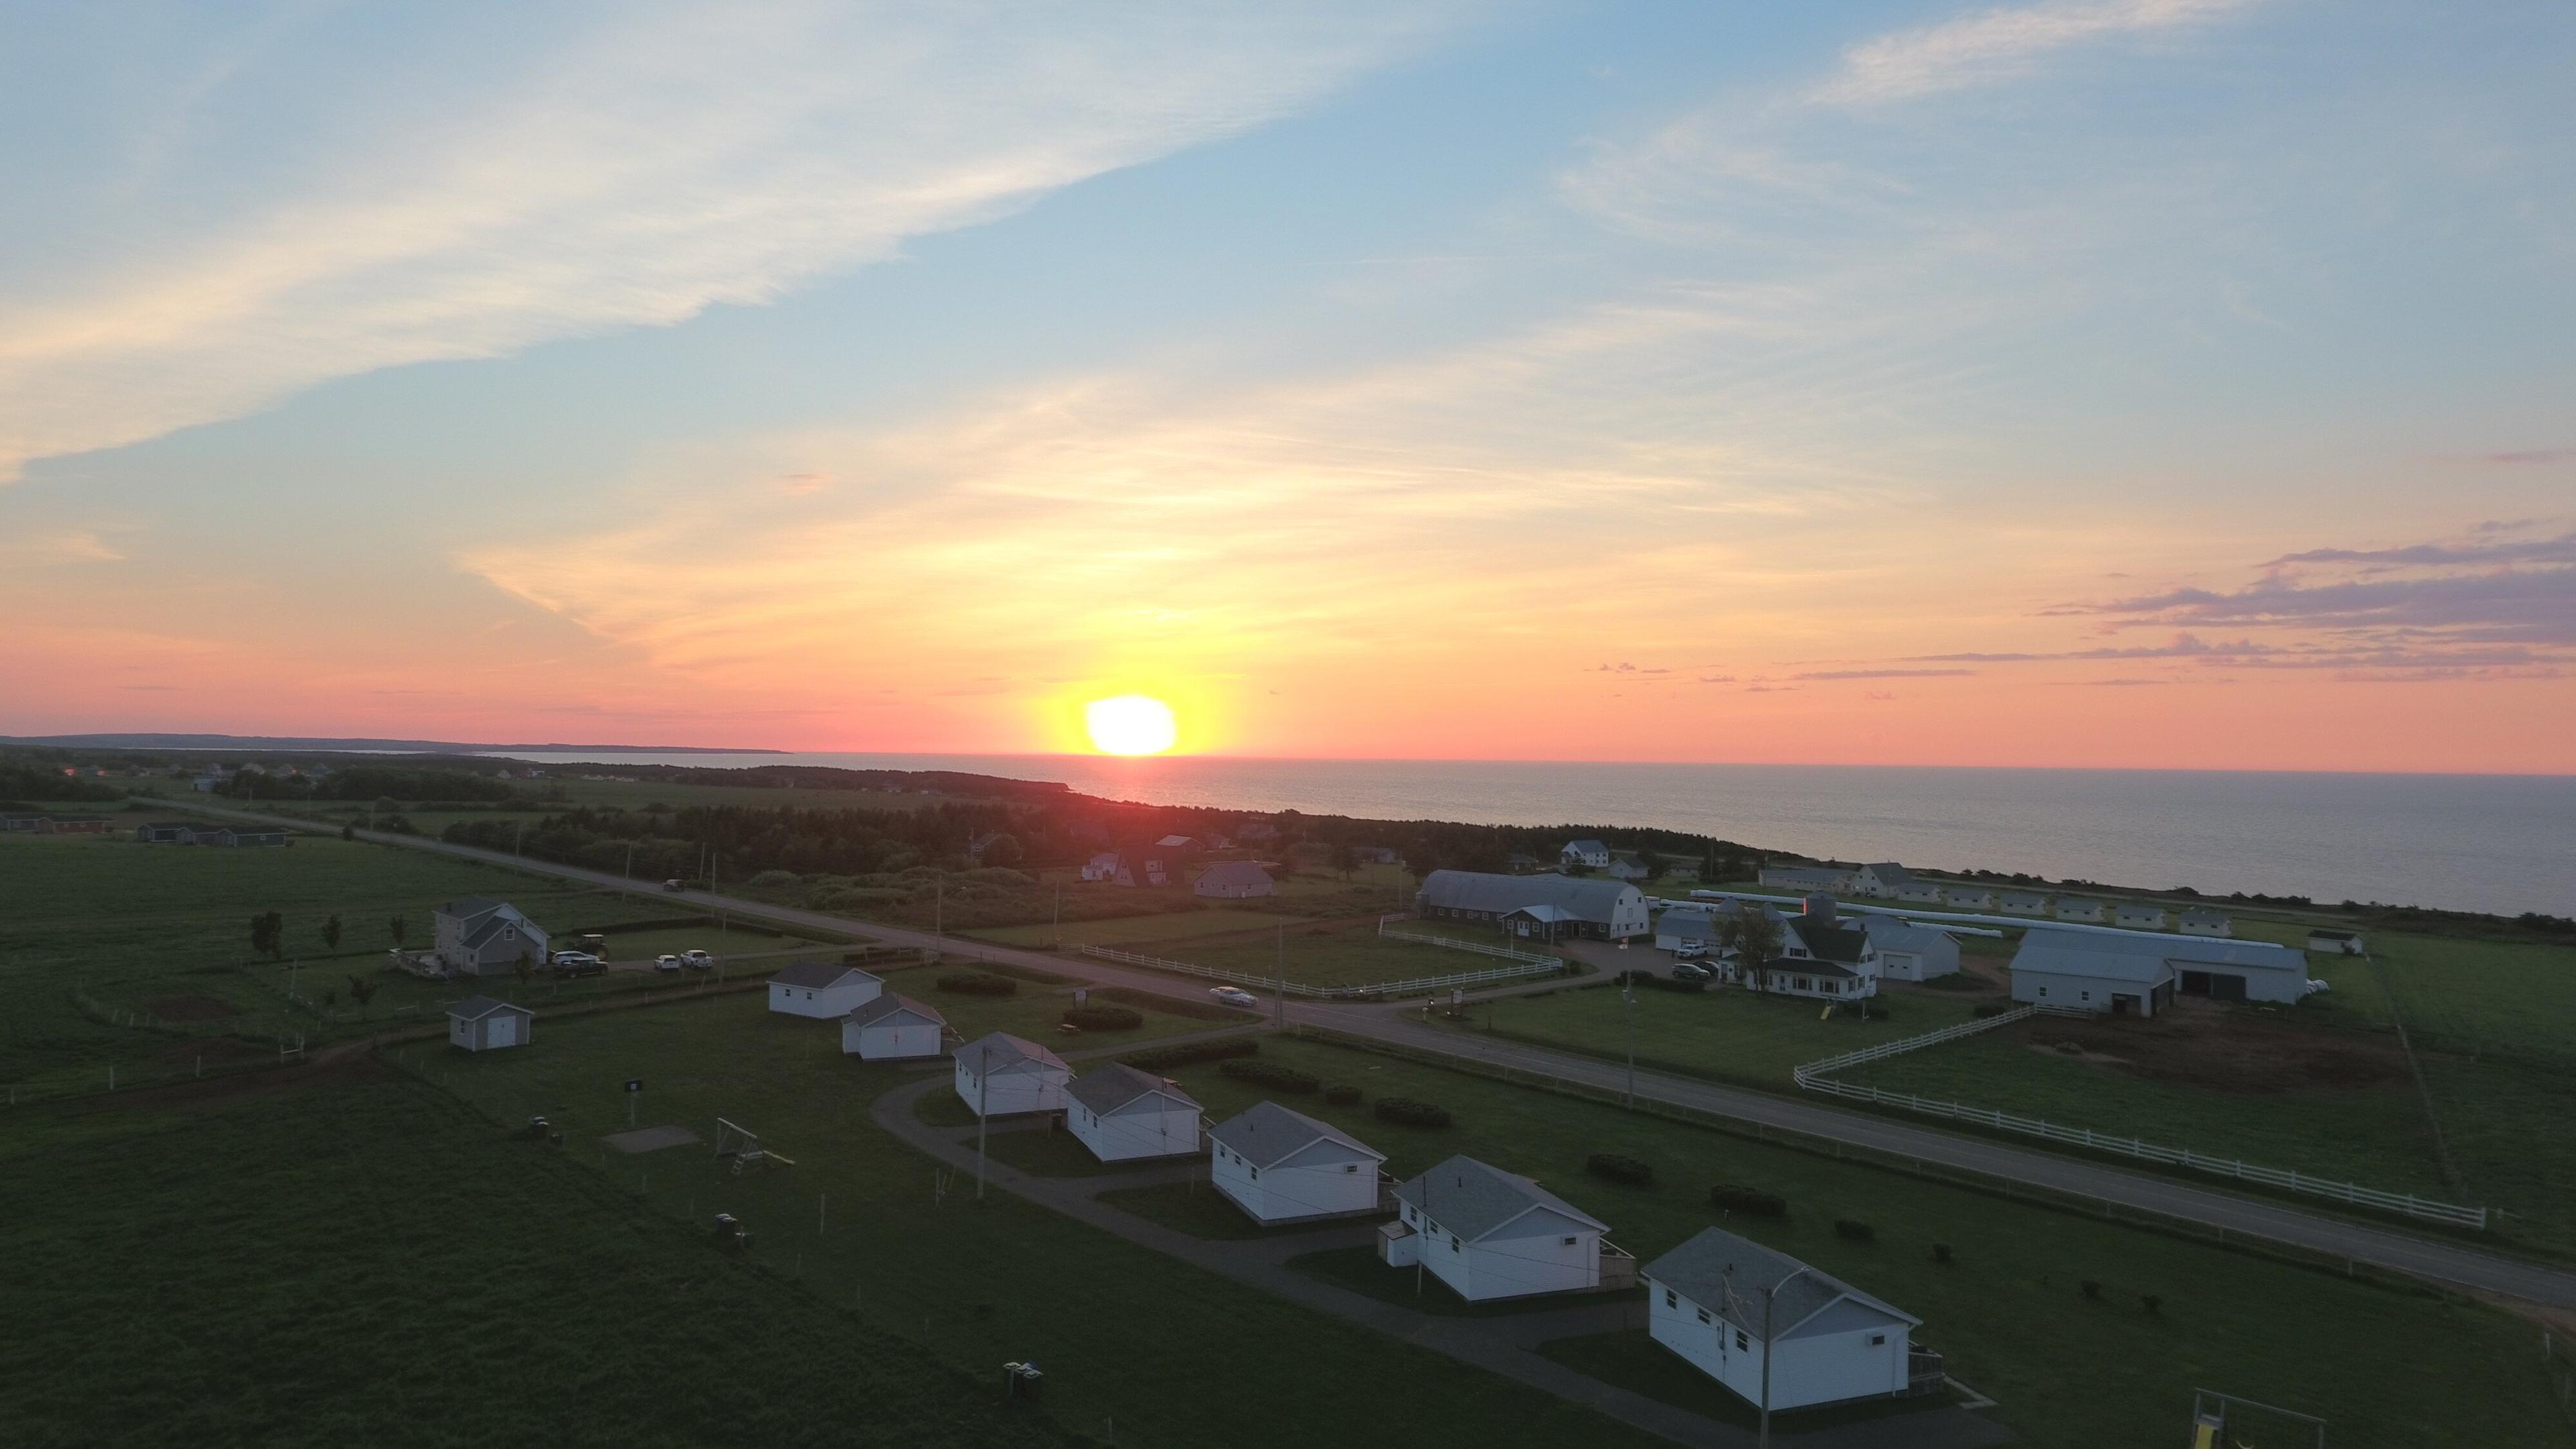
[
  {"x": 892, "y": 1028},
  {"x": 823, "y": 990},
  {"x": 1911, "y": 952},
  {"x": 2081, "y": 910},
  {"x": 1920, "y": 893},
  {"x": 1972, "y": 898},
  {"x": 1281, "y": 1166},
  {"x": 2206, "y": 923},
  {"x": 480, "y": 1024},
  {"x": 2109, "y": 972},
  {"x": 1122, "y": 1114},
  {"x": 1235, "y": 880},
  {"x": 1708, "y": 1300},
  {"x": 2139, "y": 916},
  {"x": 2335, "y": 943},
  {"x": 1492, "y": 1234},
  {"x": 1002, "y": 1075},
  {"x": 2025, "y": 903}
]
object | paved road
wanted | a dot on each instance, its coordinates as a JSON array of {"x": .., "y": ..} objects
[{"x": 2453, "y": 1263}]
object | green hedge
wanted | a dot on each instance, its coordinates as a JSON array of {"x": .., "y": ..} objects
[
  {"x": 1104, "y": 1018},
  {"x": 1751, "y": 1201},
  {"x": 1278, "y": 1079},
  {"x": 1163, "y": 1059},
  {"x": 1620, "y": 1169},
  {"x": 1406, "y": 1112},
  {"x": 977, "y": 983},
  {"x": 1342, "y": 1096}
]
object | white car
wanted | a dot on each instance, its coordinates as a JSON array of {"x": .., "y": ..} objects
[
  {"x": 575, "y": 958},
  {"x": 697, "y": 960},
  {"x": 666, "y": 962},
  {"x": 1234, "y": 996}
]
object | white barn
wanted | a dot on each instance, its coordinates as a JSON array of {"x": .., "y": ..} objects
[
  {"x": 2025, "y": 903},
  {"x": 1492, "y": 1234},
  {"x": 1608, "y": 910},
  {"x": 1920, "y": 893},
  {"x": 892, "y": 1028},
  {"x": 480, "y": 1024},
  {"x": 823, "y": 990},
  {"x": 1972, "y": 898},
  {"x": 1234, "y": 880},
  {"x": 2080, "y": 910},
  {"x": 2138, "y": 916},
  {"x": 1281, "y": 1166},
  {"x": 1885, "y": 880},
  {"x": 2206, "y": 923},
  {"x": 1910, "y": 952},
  {"x": 1827, "y": 1341},
  {"x": 1001, "y": 1075},
  {"x": 2105, "y": 972},
  {"x": 1122, "y": 1114}
]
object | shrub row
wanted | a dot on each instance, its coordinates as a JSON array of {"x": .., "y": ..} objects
[
  {"x": 1163, "y": 1059},
  {"x": 1342, "y": 1096},
  {"x": 1855, "y": 1229},
  {"x": 1620, "y": 1169},
  {"x": 977, "y": 983},
  {"x": 1658, "y": 980},
  {"x": 1406, "y": 1112},
  {"x": 1277, "y": 1079},
  {"x": 1752, "y": 1201},
  {"x": 1104, "y": 1018},
  {"x": 1991, "y": 1008}
]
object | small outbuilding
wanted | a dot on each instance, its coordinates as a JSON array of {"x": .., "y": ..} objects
[
  {"x": 1281, "y": 1166},
  {"x": 1235, "y": 880},
  {"x": 1910, "y": 952},
  {"x": 892, "y": 1028},
  {"x": 2206, "y": 923},
  {"x": 1492, "y": 1234},
  {"x": 2082, "y": 910},
  {"x": 1123, "y": 1114},
  {"x": 823, "y": 990},
  {"x": 481, "y": 1024},
  {"x": 1972, "y": 898},
  {"x": 1001, "y": 1075},
  {"x": 2335, "y": 943},
  {"x": 1920, "y": 893},
  {"x": 2025, "y": 903},
  {"x": 2139, "y": 916},
  {"x": 1725, "y": 1303}
]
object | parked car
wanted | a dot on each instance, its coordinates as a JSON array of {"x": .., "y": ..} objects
[
  {"x": 1693, "y": 971},
  {"x": 697, "y": 960},
  {"x": 578, "y": 963},
  {"x": 1234, "y": 996},
  {"x": 666, "y": 962},
  {"x": 673, "y": 886}
]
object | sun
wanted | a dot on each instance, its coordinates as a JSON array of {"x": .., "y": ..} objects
[{"x": 1130, "y": 724}]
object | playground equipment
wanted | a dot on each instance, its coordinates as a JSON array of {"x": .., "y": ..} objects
[
  {"x": 2225, "y": 1421},
  {"x": 740, "y": 1147}
]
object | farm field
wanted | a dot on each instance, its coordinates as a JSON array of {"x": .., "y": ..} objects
[
  {"x": 861, "y": 1218},
  {"x": 1137, "y": 931},
  {"x": 331, "y": 1267},
  {"x": 2480, "y": 998},
  {"x": 1315, "y": 953},
  {"x": 2009, "y": 1311}
]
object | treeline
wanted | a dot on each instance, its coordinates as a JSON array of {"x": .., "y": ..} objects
[
  {"x": 35, "y": 782},
  {"x": 736, "y": 841},
  {"x": 377, "y": 782}
]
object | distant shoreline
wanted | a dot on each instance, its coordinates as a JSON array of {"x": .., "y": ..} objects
[{"x": 355, "y": 746}]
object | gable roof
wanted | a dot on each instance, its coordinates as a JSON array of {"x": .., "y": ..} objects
[
  {"x": 1265, "y": 1134},
  {"x": 1587, "y": 899},
  {"x": 1114, "y": 1085},
  {"x": 475, "y": 1008},
  {"x": 877, "y": 1008},
  {"x": 1000, "y": 1051},
  {"x": 1827, "y": 942},
  {"x": 1716, "y": 1261},
  {"x": 2203, "y": 913},
  {"x": 1889, "y": 871},
  {"x": 1584, "y": 847},
  {"x": 1177, "y": 842},
  {"x": 1235, "y": 872},
  {"x": 1474, "y": 1199},
  {"x": 819, "y": 974},
  {"x": 1810, "y": 966},
  {"x": 1890, "y": 934},
  {"x": 468, "y": 907},
  {"x": 2116, "y": 957}
]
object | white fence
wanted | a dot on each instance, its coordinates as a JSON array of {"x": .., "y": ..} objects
[
  {"x": 1417, "y": 985},
  {"x": 1481, "y": 948},
  {"x": 1815, "y": 1077}
]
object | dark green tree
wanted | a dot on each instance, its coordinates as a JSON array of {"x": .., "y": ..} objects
[{"x": 331, "y": 933}]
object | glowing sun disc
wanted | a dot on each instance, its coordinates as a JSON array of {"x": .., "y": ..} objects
[{"x": 1130, "y": 724}]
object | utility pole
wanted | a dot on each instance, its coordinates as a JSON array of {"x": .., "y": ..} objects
[
  {"x": 1628, "y": 999},
  {"x": 630, "y": 860},
  {"x": 1279, "y": 998},
  {"x": 1055, "y": 930},
  {"x": 983, "y": 1084},
  {"x": 939, "y": 908},
  {"x": 518, "y": 831},
  {"x": 1767, "y": 1295}
]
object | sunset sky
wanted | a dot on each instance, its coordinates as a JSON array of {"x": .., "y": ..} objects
[{"x": 2085, "y": 382}]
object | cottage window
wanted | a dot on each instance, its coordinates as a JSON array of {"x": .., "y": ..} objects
[
  {"x": 2085, "y": 995},
  {"x": 2043, "y": 991},
  {"x": 1256, "y": 1174},
  {"x": 1569, "y": 1242},
  {"x": 1672, "y": 1299},
  {"x": 1877, "y": 1340},
  {"x": 1453, "y": 1242},
  {"x": 1703, "y": 1315},
  {"x": 1350, "y": 1167},
  {"x": 1741, "y": 1342}
]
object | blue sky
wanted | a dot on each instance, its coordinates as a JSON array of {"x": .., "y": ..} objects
[{"x": 895, "y": 379}]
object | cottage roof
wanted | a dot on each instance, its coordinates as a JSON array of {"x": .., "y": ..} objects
[
  {"x": 1468, "y": 890},
  {"x": 1266, "y": 1133},
  {"x": 468, "y": 907},
  {"x": 2204, "y": 915},
  {"x": 1889, "y": 872},
  {"x": 1546, "y": 915},
  {"x": 1235, "y": 873},
  {"x": 1474, "y": 1199},
  {"x": 1586, "y": 847},
  {"x": 1810, "y": 966},
  {"x": 820, "y": 974},
  {"x": 1727, "y": 1274},
  {"x": 1890, "y": 934},
  {"x": 1113, "y": 1085},
  {"x": 877, "y": 1008},
  {"x": 1828, "y": 942},
  {"x": 475, "y": 1008},
  {"x": 1177, "y": 842},
  {"x": 1001, "y": 1052}
]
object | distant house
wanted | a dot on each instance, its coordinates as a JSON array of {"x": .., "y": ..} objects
[
  {"x": 2025, "y": 903},
  {"x": 480, "y": 1024},
  {"x": 2082, "y": 910},
  {"x": 1971, "y": 898},
  {"x": 2100, "y": 971},
  {"x": 207, "y": 784},
  {"x": 1182, "y": 844},
  {"x": 72, "y": 825},
  {"x": 823, "y": 990},
  {"x": 1156, "y": 866},
  {"x": 28, "y": 824},
  {"x": 1281, "y": 1166},
  {"x": 1519, "y": 864},
  {"x": 253, "y": 835},
  {"x": 1123, "y": 1114},
  {"x": 2335, "y": 943},
  {"x": 1377, "y": 855},
  {"x": 1686, "y": 931},
  {"x": 1492, "y": 1234},
  {"x": 476, "y": 936},
  {"x": 167, "y": 832},
  {"x": 1623, "y": 866},
  {"x": 1235, "y": 880},
  {"x": 1588, "y": 853},
  {"x": 1805, "y": 878},
  {"x": 1608, "y": 910},
  {"x": 214, "y": 835},
  {"x": 2205, "y": 923},
  {"x": 1920, "y": 893},
  {"x": 1001, "y": 1075},
  {"x": 2138, "y": 916},
  {"x": 981, "y": 842},
  {"x": 1256, "y": 832},
  {"x": 1103, "y": 866},
  {"x": 1723, "y": 1303},
  {"x": 892, "y": 1028},
  {"x": 1908, "y": 952},
  {"x": 1884, "y": 880}
]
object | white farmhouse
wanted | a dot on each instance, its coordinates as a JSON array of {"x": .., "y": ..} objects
[
  {"x": 1725, "y": 1303},
  {"x": 1589, "y": 853},
  {"x": 1234, "y": 880},
  {"x": 892, "y": 1028},
  {"x": 1909, "y": 952},
  {"x": 824, "y": 990},
  {"x": 2206, "y": 923},
  {"x": 1283, "y": 1167},
  {"x": 480, "y": 1024},
  {"x": 1884, "y": 880},
  {"x": 2138, "y": 916},
  {"x": 2106, "y": 972},
  {"x": 476, "y": 936},
  {"x": 1492, "y": 1234},
  {"x": 1102, "y": 866},
  {"x": 1002, "y": 1075},
  {"x": 1122, "y": 1114}
]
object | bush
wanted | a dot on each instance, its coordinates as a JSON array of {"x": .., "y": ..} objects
[
  {"x": 1343, "y": 1096},
  {"x": 1657, "y": 980},
  {"x": 2092, "y": 1287},
  {"x": 1940, "y": 1252},
  {"x": 771, "y": 880},
  {"x": 1620, "y": 1169},
  {"x": 977, "y": 983},
  {"x": 997, "y": 875},
  {"x": 2152, "y": 1304},
  {"x": 1855, "y": 1230},
  {"x": 1163, "y": 1059},
  {"x": 1104, "y": 1018},
  {"x": 1405, "y": 1112},
  {"x": 1991, "y": 1008},
  {"x": 1751, "y": 1201},
  {"x": 1277, "y": 1079}
]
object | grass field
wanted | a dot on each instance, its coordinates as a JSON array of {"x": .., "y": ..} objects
[
  {"x": 373, "y": 1264},
  {"x": 1137, "y": 931},
  {"x": 2388, "y": 1366},
  {"x": 2480, "y": 998}
]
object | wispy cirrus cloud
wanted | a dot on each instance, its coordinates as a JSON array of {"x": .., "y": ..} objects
[{"x": 1997, "y": 45}]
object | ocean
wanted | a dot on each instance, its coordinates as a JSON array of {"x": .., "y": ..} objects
[{"x": 2499, "y": 843}]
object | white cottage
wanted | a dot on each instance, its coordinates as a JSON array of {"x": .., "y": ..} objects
[
  {"x": 892, "y": 1028},
  {"x": 823, "y": 990},
  {"x": 1281, "y": 1166},
  {"x": 1102, "y": 866},
  {"x": 1884, "y": 880},
  {"x": 2025, "y": 903},
  {"x": 1002, "y": 1075},
  {"x": 1920, "y": 893},
  {"x": 2138, "y": 916},
  {"x": 1492, "y": 1234},
  {"x": 1725, "y": 1303},
  {"x": 477, "y": 936},
  {"x": 480, "y": 1024},
  {"x": 1122, "y": 1114}
]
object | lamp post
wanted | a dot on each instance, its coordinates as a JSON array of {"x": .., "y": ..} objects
[{"x": 1767, "y": 1295}]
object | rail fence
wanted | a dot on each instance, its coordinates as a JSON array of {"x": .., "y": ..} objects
[
  {"x": 1419, "y": 984},
  {"x": 1817, "y": 1077},
  {"x": 1481, "y": 948}
]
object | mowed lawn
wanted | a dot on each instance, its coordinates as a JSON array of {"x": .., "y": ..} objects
[
  {"x": 1122, "y": 1332},
  {"x": 1723, "y": 1034},
  {"x": 1348, "y": 955},
  {"x": 373, "y": 1264},
  {"x": 2388, "y": 1366},
  {"x": 1137, "y": 932}
]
